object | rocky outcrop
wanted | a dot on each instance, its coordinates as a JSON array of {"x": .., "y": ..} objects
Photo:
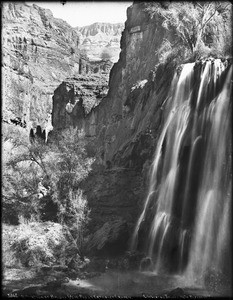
[
  {"x": 100, "y": 40},
  {"x": 39, "y": 52},
  {"x": 83, "y": 92},
  {"x": 109, "y": 239}
]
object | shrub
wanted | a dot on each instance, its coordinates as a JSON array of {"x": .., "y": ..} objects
[
  {"x": 201, "y": 51},
  {"x": 36, "y": 244},
  {"x": 106, "y": 54},
  {"x": 58, "y": 167}
]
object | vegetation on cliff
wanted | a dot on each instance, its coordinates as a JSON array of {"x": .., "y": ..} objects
[{"x": 203, "y": 28}]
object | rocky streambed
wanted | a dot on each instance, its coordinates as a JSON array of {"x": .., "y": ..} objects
[{"x": 61, "y": 281}]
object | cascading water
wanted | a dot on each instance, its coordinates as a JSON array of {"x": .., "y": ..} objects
[
  {"x": 211, "y": 236},
  {"x": 187, "y": 208}
]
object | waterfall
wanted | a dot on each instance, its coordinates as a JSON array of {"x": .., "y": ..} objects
[
  {"x": 187, "y": 208},
  {"x": 211, "y": 231}
]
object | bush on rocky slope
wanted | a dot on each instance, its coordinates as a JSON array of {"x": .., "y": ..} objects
[{"x": 34, "y": 244}]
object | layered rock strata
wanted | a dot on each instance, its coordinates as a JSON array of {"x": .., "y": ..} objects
[
  {"x": 39, "y": 52},
  {"x": 100, "y": 40}
]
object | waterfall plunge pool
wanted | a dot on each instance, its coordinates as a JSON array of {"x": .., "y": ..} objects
[{"x": 148, "y": 284}]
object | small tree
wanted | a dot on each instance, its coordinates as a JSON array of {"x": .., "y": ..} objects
[
  {"x": 79, "y": 217},
  {"x": 106, "y": 54},
  {"x": 69, "y": 165},
  {"x": 20, "y": 174}
]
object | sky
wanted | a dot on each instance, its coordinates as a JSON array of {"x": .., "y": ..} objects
[{"x": 82, "y": 13}]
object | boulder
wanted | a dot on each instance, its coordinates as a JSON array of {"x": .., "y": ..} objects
[
  {"x": 96, "y": 264},
  {"x": 134, "y": 259},
  {"x": 146, "y": 264},
  {"x": 176, "y": 293}
]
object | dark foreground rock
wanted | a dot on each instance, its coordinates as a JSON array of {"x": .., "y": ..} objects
[{"x": 178, "y": 292}]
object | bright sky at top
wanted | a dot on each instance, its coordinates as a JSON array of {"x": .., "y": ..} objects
[{"x": 82, "y": 13}]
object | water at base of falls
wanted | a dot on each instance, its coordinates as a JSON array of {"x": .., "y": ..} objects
[{"x": 190, "y": 181}]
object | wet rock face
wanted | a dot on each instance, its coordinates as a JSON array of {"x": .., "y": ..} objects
[
  {"x": 113, "y": 195},
  {"x": 39, "y": 52}
]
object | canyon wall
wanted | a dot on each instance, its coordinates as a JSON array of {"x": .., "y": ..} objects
[
  {"x": 38, "y": 53},
  {"x": 100, "y": 40},
  {"x": 130, "y": 114},
  {"x": 123, "y": 129}
]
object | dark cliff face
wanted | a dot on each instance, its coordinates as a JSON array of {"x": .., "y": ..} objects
[
  {"x": 130, "y": 115},
  {"x": 39, "y": 52},
  {"x": 123, "y": 129}
]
